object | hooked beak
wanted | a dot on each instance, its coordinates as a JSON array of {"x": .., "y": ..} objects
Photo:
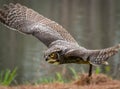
[{"x": 52, "y": 61}]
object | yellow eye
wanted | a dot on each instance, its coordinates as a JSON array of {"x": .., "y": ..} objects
[{"x": 54, "y": 55}]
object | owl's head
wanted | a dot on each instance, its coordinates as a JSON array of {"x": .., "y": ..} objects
[
  {"x": 56, "y": 53},
  {"x": 54, "y": 56}
]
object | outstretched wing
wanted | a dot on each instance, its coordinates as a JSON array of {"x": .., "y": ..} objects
[
  {"x": 98, "y": 57},
  {"x": 94, "y": 57},
  {"x": 28, "y": 21}
]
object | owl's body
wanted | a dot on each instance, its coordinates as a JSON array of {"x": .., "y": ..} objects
[{"x": 62, "y": 47}]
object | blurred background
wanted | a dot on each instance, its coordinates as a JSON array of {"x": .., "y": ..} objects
[{"x": 94, "y": 24}]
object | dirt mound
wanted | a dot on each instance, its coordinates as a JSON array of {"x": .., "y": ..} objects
[{"x": 97, "y": 81}]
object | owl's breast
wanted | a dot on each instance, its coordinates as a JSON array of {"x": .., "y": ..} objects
[
  {"x": 83, "y": 62},
  {"x": 74, "y": 60}
]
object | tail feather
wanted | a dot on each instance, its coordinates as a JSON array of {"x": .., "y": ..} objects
[{"x": 98, "y": 57}]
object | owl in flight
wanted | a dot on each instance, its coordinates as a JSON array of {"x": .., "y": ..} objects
[{"x": 62, "y": 47}]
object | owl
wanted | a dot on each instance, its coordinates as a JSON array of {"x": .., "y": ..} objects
[{"x": 62, "y": 47}]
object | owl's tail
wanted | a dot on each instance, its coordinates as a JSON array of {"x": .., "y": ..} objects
[{"x": 98, "y": 57}]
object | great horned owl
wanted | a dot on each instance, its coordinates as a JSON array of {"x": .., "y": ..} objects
[{"x": 62, "y": 48}]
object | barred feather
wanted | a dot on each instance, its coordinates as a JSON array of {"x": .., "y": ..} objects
[
  {"x": 18, "y": 17},
  {"x": 28, "y": 21},
  {"x": 98, "y": 57}
]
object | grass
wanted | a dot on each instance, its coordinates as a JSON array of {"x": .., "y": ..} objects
[
  {"x": 75, "y": 74},
  {"x": 7, "y": 76},
  {"x": 58, "y": 77},
  {"x": 98, "y": 70}
]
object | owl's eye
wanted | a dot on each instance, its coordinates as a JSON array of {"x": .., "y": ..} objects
[{"x": 54, "y": 55}]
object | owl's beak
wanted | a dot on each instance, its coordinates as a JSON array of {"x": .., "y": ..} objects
[
  {"x": 46, "y": 59},
  {"x": 52, "y": 61}
]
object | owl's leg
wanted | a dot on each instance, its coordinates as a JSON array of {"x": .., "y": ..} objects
[
  {"x": 90, "y": 70},
  {"x": 88, "y": 78}
]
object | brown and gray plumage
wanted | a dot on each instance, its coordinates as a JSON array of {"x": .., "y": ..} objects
[{"x": 62, "y": 48}]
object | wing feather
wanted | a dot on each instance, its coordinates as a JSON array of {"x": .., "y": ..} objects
[
  {"x": 94, "y": 57},
  {"x": 98, "y": 57},
  {"x": 28, "y": 21}
]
